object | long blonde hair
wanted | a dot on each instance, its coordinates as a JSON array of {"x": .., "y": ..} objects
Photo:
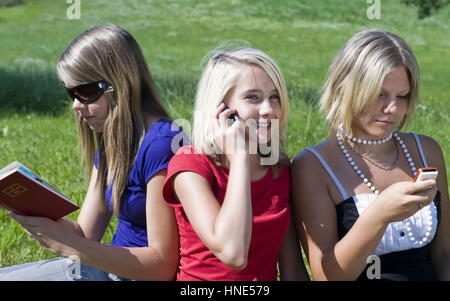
[
  {"x": 219, "y": 77},
  {"x": 357, "y": 73},
  {"x": 110, "y": 53}
]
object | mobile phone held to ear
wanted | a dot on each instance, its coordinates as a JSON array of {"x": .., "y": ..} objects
[
  {"x": 426, "y": 173},
  {"x": 233, "y": 117}
]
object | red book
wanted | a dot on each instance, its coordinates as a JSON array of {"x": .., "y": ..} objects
[{"x": 25, "y": 193}]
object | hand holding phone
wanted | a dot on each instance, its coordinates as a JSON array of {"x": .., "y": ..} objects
[
  {"x": 233, "y": 117},
  {"x": 426, "y": 173}
]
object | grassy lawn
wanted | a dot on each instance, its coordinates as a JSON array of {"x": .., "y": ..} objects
[{"x": 37, "y": 124}]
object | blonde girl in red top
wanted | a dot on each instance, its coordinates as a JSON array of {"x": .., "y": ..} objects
[{"x": 231, "y": 189}]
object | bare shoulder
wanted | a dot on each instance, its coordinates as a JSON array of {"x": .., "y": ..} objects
[
  {"x": 313, "y": 200},
  {"x": 430, "y": 144},
  {"x": 308, "y": 173},
  {"x": 433, "y": 154},
  {"x": 303, "y": 158},
  {"x": 304, "y": 169},
  {"x": 431, "y": 149},
  {"x": 306, "y": 158}
]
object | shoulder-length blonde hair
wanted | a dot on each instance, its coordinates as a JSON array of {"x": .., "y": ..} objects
[
  {"x": 220, "y": 76},
  {"x": 110, "y": 53},
  {"x": 356, "y": 75}
]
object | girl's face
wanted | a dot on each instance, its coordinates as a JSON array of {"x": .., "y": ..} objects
[
  {"x": 388, "y": 111},
  {"x": 94, "y": 114},
  {"x": 255, "y": 98}
]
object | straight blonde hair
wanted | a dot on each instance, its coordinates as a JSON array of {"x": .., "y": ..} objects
[
  {"x": 110, "y": 53},
  {"x": 220, "y": 76},
  {"x": 356, "y": 75}
]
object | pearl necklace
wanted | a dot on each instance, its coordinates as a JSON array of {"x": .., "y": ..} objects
[
  {"x": 362, "y": 141},
  {"x": 426, "y": 209}
]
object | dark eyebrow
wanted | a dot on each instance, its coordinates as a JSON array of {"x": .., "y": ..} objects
[
  {"x": 252, "y": 91},
  {"x": 259, "y": 91}
]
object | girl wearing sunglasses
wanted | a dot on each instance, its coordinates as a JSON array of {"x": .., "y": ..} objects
[{"x": 126, "y": 138}]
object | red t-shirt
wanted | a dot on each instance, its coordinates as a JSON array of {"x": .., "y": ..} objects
[{"x": 270, "y": 222}]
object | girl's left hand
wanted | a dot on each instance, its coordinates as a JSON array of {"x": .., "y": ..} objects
[{"x": 57, "y": 236}]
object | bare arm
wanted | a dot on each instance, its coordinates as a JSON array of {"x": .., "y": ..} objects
[
  {"x": 91, "y": 224},
  {"x": 290, "y": 260},
  {"x": 345, "y": 259},
  {"x": 225, "y": 230},
  {"x": 440, "y": 247},
  {"x": 159, "y": 260},
  {"x": 156, "y": 262},
  {"x": 94, "y": 216},
  {"x": 329, "y": 258}
]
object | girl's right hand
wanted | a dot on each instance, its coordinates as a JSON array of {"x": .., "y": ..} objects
[
  {"x": 403, "y": 199},
  {"x": 230, "y": 138}
]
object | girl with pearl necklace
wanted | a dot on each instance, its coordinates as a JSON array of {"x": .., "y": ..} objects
[{"x": 353, "y": 194}]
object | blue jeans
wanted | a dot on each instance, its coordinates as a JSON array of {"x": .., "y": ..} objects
[{"x": 59, "y": 269}]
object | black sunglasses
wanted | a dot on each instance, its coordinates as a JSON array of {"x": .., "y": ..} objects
[{"x": 90, "y": 92}]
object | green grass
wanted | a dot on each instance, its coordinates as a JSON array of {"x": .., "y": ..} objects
[{"x": 36, "y": 123}]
